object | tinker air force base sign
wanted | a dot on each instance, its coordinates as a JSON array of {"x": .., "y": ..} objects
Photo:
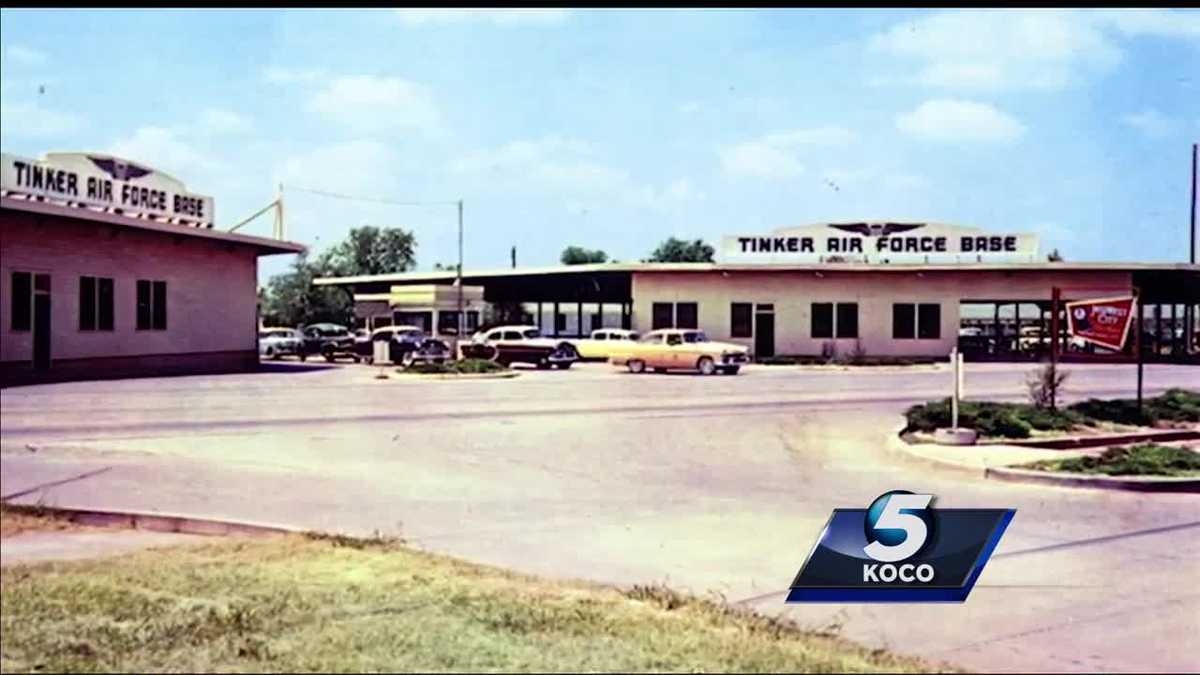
[
  {"x": 880, "y": 242},
  {"x": 102, "y": 181}
]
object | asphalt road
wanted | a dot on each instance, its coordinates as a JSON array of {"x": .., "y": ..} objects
[{"x": 717, "y": 484}]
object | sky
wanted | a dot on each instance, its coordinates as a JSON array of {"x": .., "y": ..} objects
[{"x": 616, "y": 129}]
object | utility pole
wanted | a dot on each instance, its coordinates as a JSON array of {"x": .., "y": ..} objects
[
  {"x": 1193, "y": 250},
  {"x": 461, "y": 317}
]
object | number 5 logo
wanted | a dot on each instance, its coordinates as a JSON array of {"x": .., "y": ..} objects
[{"x": 886, "y": 513}]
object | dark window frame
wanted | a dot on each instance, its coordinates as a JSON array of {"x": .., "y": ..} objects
[
  {"x": 904, "y": 328},
  {"x": 846, "y": 330},
  {"x": 21, "y": 315},
  {"x": 657, "y": 321},
  {"x": 87, "y": 303},
  {"x": 694, "y": 310},
  {"x": 736, "y": 328},
  {"x": 822, "y": 319},
  {"x": 151, "y": 304},
  {"x": 925, "y": 330}
]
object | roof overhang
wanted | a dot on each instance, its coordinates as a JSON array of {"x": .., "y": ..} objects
[{"x": 261, "y": 245}]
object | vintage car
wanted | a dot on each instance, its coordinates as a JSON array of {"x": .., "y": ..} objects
[
  {"x": 330, "y": 340},
  {"x": 600, "y": 344},
  {"x": 406, "y": 345},
  {"x": 274, "y": 343},
  {"x": 681, "y": 349},
  {"x": 520, "y": 344}
]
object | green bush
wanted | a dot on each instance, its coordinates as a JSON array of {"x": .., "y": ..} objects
[
  {"x": 456, "y": 367},
  {"x": 1146, "y": 459},
  {"x": 1176, "y": 405},
  {"x": 1003, "y": 420}
]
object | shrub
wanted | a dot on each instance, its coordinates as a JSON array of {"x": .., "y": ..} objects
[
  {"x": 456, "y": 367},
  {"x": 1146, "y": 459},
  {"x": 1043, "y": 383}
]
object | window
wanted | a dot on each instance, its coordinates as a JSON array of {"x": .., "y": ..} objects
[
  {"x": 847, "y": 319},
  {"x": 531, "y": 333},
  {"x": 472, "y": 320},
  {"x": 560, "y": 322},
  {"x": 95, "y": 303},
  {"x": 151, "y": 305},
  {"x": 448, "y": 323},
  {"x": 22, "y": 300},
  {"x": 663, "y": 316},
  {"x": 601, "y": 335},
  {"x": 822, "y": 319},
  {"x": 512, "y": 335},
  {"x": 740, "y": 320},
  {"x": 685, "y": 315},
  {"x": 596, "y": 321},
  {"x": 929, "y": 322},
  {"x": 904, "y": 322},
  {"x": 674, "y": 339}
]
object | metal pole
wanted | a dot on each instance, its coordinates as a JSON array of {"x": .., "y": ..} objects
[
  {"x": 1055, "y": 296},
  {"x": 461, "y": 323},
  {"x": 1137, "y": 297},
  {"x": 1192, "y": 254},
  {"x": 954, "y": 362}
]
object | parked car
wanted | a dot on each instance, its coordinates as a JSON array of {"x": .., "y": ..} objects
[
  {"x": 406, "y": 345},
  {"x": 275, "y": 343},
  {"x": 520, "y": 344},
  {"x": 330, "y": 340},
  {"x": 600, "y": 344},
  {"x": 681, "y": 349}
]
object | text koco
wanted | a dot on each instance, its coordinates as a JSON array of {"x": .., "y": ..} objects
[{"x": 888, "y": 573}]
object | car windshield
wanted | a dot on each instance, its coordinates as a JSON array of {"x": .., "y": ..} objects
[
  {"x": 531, "y": 333},
  {"x": 652, "y": 338},
  {"x": 695, "y": 336}
]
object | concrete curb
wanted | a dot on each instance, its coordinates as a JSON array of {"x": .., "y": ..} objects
[
  {"x": 1012, "y": 474},
  {"x": 1119, "y": 438},
  {"x": 931, "y": 367},
  {"x": 1130, "y": 483},
  {"x": 160, "y": 522},
  {"x": 453, "y": 376}
]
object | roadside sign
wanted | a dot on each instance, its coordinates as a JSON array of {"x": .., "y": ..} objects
[{"x": 1101, "y": 321}]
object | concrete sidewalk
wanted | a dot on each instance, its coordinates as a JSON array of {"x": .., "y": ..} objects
[{"x": 33, "y": 547}]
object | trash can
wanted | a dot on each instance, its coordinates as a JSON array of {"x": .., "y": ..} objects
[{"x": 381, "y": 352}]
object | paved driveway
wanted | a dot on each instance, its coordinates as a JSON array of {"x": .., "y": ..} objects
[{"x": 711, "y": 484}]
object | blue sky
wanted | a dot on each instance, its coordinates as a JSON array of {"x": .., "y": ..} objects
[{"x": 616, "y": 129}]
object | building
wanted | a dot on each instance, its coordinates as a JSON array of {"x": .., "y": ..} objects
[
  {"x": 880, "y": 289},
  {"x": 113, "y": 269}
]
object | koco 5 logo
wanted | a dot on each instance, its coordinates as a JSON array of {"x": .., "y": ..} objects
[
  {"x": 900, "y": 549},
  {"x": 897, "y": 533}
]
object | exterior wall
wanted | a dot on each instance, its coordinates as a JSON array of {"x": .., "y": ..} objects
[
  {"x": 211, "y": 299},
  {"x": 793, "y": 293}
]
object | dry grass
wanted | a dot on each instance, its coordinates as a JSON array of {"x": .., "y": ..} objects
[{"x": 334, "y": 604}]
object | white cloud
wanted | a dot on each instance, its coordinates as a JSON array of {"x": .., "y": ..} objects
[
  {"x": 955, "y": 120},
  {"x": 23, "y": 119},
  {"x": 25, "y": 56},
  {"x": 363, "y": 167},
  {"x": 777, "y": 155},
  {"x": 1151, "y": 123},
  {"x": 169, "y": 150},
  {"x": 499, "y": 17},
  {"x": 372, "y": 104},
  {"x": 568, "y": 167},
  {"x": 279, "y": 75},
  {"x": 1153, "y": 22},
  {"x": 689, "y": 107},
  {"x": 218, "y": 121},
  {"x": 1034, "y": 49}
]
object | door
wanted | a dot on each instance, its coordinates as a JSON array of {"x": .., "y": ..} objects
[
  {"x": 764, "y": 334},
  {"x": 41, "y": 322}
]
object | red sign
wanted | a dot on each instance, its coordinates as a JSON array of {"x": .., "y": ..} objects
[{"x": 1104, "y": 321}]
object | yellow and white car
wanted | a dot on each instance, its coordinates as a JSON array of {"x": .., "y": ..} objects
[
  {"x": 680, "y": 349},
  {"x": 603, "y": 342}
]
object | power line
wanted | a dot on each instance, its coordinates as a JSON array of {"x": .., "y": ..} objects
[{"x": 339, "y": 195}]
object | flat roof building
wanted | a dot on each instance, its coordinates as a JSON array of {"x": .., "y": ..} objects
[
  {"x": 112, "y": 269},
  {"x": 887, "y": 290}
]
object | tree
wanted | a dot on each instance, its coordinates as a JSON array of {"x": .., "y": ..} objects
[
  {"x": 1054, "y": 256},
  {"x": 291, "y": 299},
  {"x": 677, "y": 250},
  {"x": 371, "y": 250},
  {"x": 576, "y": 255}
]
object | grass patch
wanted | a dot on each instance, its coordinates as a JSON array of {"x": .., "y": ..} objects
[
  {"x": 1146, "y": 459},
  {"x": 1019, "y": 420},
  {"x": 463, "y": 367},
  {"x": 300, "y": 603}
]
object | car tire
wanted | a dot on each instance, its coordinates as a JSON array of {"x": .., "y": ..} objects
[
  {"x": 303, "y": 357},
  {"x": 269, "y": 353},
  {"x": 563, "y": 366},
  {"x": 543, "y": 364},
  {"x": 408, "y": 358},
  {"x": 329, "y": 356},
  {"x": 369, "y": 360},
  {"x": 660, "y": 370},
  {"x": 636, "y": 366},
  {"x": 731, "y": 370},
  {"x": 706, "y": 365}
]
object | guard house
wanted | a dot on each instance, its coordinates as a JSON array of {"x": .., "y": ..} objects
[
  {"x": 109, "y": 268},
  {"x": 423, "y": 305},
  {"x": 882, "y": 289}
]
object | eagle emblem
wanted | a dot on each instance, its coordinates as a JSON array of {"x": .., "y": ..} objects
[
  {"x": 118, "y": 169},
  {"x": 876, "y": 229}
]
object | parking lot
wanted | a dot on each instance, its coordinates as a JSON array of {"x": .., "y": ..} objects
[{"x": 714, "y": 483}]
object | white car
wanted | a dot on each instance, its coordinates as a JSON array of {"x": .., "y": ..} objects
[
  {"x": 600, "y": 345},
  {"x": 520, "y": 344},
  {"x": 274, "y": 343}
]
